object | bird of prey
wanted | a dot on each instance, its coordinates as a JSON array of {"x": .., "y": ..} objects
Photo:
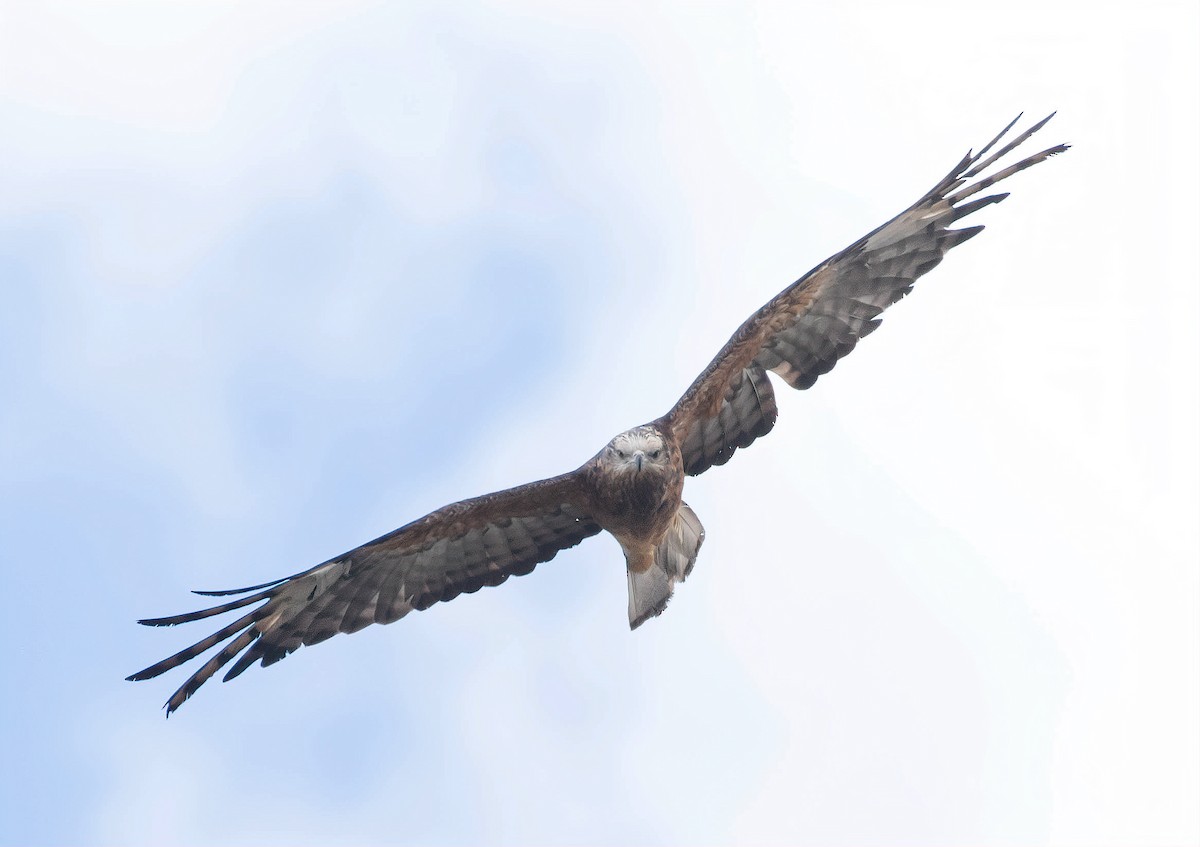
[{"x": 633, "y": 487}]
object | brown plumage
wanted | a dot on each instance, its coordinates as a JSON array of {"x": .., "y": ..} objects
[{"x": 633, "y": 487}]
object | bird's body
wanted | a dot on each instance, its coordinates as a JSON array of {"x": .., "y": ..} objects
[{"x": 632, "y": 488}]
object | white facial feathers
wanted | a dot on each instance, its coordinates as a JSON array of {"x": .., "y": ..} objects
[{"x": 637, "y": 449}]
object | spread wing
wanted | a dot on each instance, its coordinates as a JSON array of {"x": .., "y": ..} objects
[
  {"x": 818, "y": 319},
  {"x": 457, "y": 549}
]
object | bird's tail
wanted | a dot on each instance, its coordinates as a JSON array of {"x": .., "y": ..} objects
[{"x": 650, "y": 586}]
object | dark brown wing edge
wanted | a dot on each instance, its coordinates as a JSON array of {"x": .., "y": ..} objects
[
  {"x": 457, "y": 549},
  {"x": 803, "y": 331}
]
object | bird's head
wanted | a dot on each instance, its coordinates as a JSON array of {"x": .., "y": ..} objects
[{"x": 639, "y": 450}]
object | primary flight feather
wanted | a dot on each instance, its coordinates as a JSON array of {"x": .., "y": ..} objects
[{"x": 633, "y": 487}]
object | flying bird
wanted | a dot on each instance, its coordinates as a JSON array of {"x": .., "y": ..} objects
[{"x": 632, "y": 488}]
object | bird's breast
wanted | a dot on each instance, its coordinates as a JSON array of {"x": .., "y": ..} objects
[{"x": 637, "y": 506}]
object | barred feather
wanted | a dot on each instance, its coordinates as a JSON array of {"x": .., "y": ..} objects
[
  {"x": 802, "y": 333},
  {"x": 455, "y": 550}
]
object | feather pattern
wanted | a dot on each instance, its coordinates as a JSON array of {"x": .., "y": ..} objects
[
  {"x": 455, "y": 550},
  {"x": 747, "y": 412},
  {"x": 803, "y": 332}
]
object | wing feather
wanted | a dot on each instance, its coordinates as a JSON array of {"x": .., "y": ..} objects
[
  {"x": 803, "y": 331},
  {"x": 458, "y": 549},
  {"x": 748, "y": 412}
]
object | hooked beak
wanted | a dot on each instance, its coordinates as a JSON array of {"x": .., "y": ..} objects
[{"x": 638, "y": 458}]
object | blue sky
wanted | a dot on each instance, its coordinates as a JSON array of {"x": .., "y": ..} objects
[{"x": 278, "y": 278}]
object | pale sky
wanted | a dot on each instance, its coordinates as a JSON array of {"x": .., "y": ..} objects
[{"x": 280, "y": 277}]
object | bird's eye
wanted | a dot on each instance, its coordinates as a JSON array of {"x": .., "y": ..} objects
[
  {"x": 621, "y": 454},
  {"x": 656, "y": 454}
]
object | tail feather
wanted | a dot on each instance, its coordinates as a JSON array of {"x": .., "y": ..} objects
[{"x": 650, "y": 588}]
